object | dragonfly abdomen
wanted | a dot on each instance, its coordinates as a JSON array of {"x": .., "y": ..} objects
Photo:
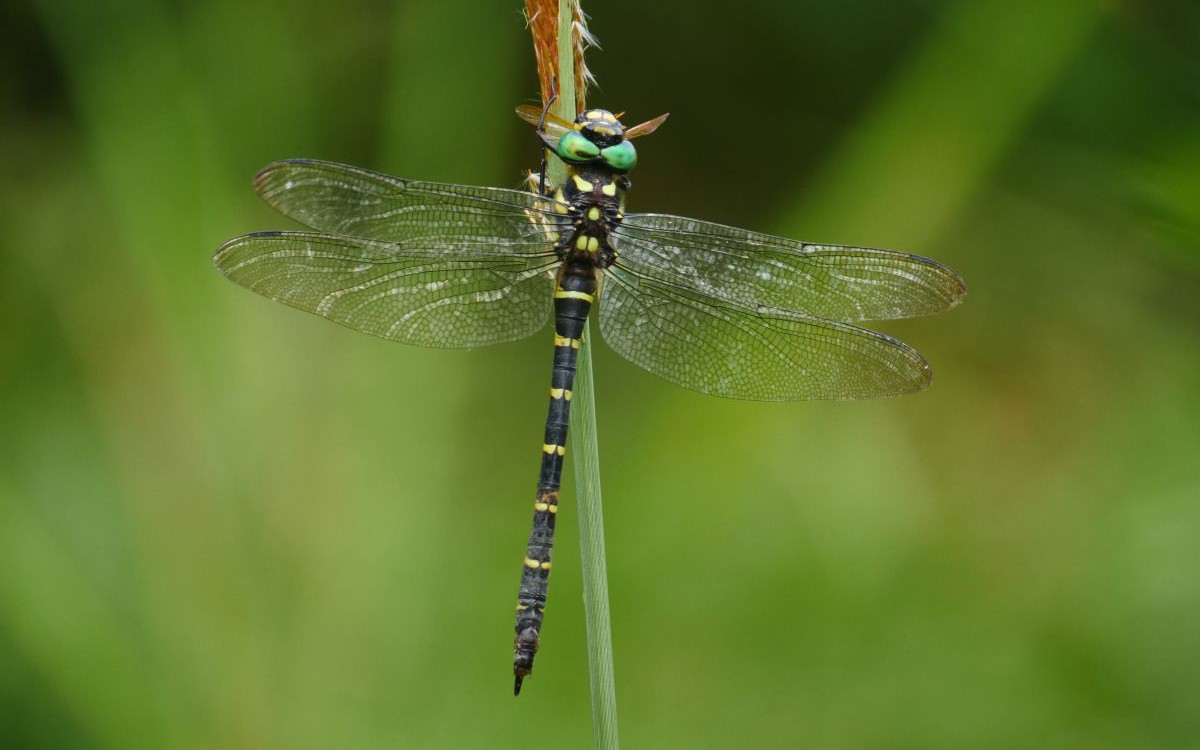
[{"x": 574, "y": 293}]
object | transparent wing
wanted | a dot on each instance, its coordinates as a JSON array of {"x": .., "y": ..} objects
[
  {"x": 347, "y": 200},
  {"x": 759, "y": 270},
  {"x": 554, "y": 127},
  {"x": 416, "y": 292},
  {"x": 771, "y": 355},
  {"x": 647, "y": 127}
]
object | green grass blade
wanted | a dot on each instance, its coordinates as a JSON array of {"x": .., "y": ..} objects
[{"x": 591, "y": 552}]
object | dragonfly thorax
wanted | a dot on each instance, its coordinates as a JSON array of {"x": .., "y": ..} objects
[{"x": 591, "y": 199}]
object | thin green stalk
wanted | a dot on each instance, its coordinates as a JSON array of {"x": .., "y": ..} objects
[
  {"x": 584, "y": 449},
  {"x": 591, "y": 552}
]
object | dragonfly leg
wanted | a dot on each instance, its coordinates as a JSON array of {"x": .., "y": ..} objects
[{"x": 541, "y": 128}]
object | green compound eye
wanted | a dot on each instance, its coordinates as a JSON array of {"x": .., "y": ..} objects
[
  {"x": 574, "y": 147},
  {"x": 622, "y": 157}
]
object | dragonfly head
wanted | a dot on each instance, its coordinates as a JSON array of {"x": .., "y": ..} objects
[
  {"x": 598, "y": 137},
  {"x": 601, "y": 127}
]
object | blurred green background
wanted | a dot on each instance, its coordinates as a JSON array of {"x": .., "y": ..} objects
[{"x": 226, "y": 524}]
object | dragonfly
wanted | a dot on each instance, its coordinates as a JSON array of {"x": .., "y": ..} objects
[{"x": 716, "y": 309}]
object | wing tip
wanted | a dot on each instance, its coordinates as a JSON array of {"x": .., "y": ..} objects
[
  {"x": 228, "y": 246},
  {"x": 262, "y": 177},
  {"x": 956, "y": 289},
  {"x": 918, "y": 379},
  {"x": 219, "y": 257},
  {"x": 960, "y": 286}
]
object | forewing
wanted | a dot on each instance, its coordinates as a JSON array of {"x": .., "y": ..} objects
[
  {"x": 760, "y": 270},
  {"x": 421, "y": 294},
  {"x": 726, "y": 350},
  {"x": 346, "y": 200}
]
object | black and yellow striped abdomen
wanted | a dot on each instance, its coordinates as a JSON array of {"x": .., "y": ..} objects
[{"x": 573, "y": 297}]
